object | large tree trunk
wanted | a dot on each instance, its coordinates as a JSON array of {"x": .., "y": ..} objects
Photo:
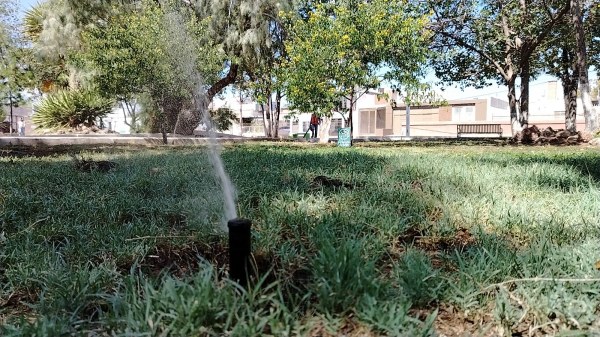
[
  {"x": 277, "y": 113},
  {"x": 589, "y": 112},
  {"x": 267, "y": 118},
  {"x": 350, "y": 119},
  {"x": 569, "y": 79},
  {"x": 524, "y": 97},
  {"x": 188, "y": 121},
  {"x": 324, "y": 130},
  {"x": 570, "y": 97},
  {"x": 512, "y": 103}
]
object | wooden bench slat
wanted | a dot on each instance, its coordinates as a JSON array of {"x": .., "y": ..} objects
[{"x": 478, "y": 128}]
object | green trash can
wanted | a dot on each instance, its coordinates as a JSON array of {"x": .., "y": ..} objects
[{"x": 344, "y": 137}]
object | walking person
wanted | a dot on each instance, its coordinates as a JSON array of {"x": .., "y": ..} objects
[
  {"x": 314, "y": 125},
  {"x": 21, "y": 127}
]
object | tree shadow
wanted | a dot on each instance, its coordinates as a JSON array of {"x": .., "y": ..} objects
[{"x": 580, "y": 169}]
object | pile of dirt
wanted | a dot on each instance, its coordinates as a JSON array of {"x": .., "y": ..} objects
[
  {"x": 92, "y": 165},
  {"x": 327, "y": 182},
  {"x": 460, "y": 240},
  {"x": 178, "y": 260},
  {"x": 534, "y": 136}
]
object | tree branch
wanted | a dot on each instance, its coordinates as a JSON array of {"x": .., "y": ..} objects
[
  {"x": 222, "y": 83},
  {"x": 548, "y": 28},
  {"x": 481, "y": 53}
]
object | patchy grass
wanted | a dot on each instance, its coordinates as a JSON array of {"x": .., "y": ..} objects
[{"x": 368, "y": 241}]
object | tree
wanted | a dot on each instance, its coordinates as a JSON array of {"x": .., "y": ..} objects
[
  {"x": 238, "y": 29},
  {"x": 54, "y": 34},
  {"x": 14, "y": 71},
  {"x": 578, "y": 20},
  {"x": 242, "y": 30},
  {"x": 559, "y": 58},
  {"x": 479, "y": 41},
  {"x": 339, "y": 51},
  {"x": 594, "y": 31},
  {"x": 155, "y": 50}
]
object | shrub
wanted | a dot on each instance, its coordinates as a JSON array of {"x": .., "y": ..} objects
[
  {"x": 71, "y": 109},
  {"x": 222, "y": 118}
]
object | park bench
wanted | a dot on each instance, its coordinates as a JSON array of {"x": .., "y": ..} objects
[{"x": 478, "y": 129}]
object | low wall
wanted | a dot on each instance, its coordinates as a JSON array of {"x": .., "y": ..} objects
[
  {"x": 445, "y": 129},
  {"x": 113, "y": 140}
]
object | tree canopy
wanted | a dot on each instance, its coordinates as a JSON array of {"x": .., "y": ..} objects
[
  {"x": 480, "y": 41},
  {"x": 337, "y": 51}
]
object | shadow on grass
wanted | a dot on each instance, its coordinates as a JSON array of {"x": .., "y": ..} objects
[{"x": 587, "y": 164}]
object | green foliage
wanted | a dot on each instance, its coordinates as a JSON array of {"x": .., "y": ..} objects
[
  {"x": 479, "y": 42},
  {"x": 223, "y": 118},
  {"x": 15, "y": 74},
  {"x": 33, "y": 22},
  {"x": 593, "y": 25},
  {"x": 243, "y": 29},
  {"x": 156, "y": 51},
  {"x": 71, "y": 109},
  {"x": 55, "y": 37},
  {"x": 341, "y": 49}
]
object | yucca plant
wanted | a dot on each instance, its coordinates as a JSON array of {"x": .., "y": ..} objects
[
  {"x": 67, "y": 108},
  {"x": 33, "y": 22}
]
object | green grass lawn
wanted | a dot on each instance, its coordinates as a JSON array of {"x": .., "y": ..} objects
[{"x": 452, "y": 240}]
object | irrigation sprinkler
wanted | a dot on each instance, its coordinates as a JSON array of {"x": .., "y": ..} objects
[{"x": 239, "y": 250}]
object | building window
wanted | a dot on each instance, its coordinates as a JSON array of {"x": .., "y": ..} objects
[
  {"x": 367, "y": 122},
  {"x": 336, "y": 124},
  {"x": 498, "y": 103},
  {"x": 463, "y": 113},
  {"x": 380, "y": 121}
]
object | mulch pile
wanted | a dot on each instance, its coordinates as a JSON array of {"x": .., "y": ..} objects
[{"x": 534, "y": 136}]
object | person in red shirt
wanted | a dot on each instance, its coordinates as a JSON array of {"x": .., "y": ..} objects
[{"x": 314, "y": 124}]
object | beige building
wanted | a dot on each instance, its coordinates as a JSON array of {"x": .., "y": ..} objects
[{"x": 374, "y": 115}]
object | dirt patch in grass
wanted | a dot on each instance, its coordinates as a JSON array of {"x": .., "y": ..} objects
[
  {"x": 350, "y": 327},
  {"x": 184, "y": 259},
  {"x": 327, "y": 182},
  {"x": 460, "y": 240},
  {"x": 16, "y": 304},
  {"x": 181, "y": 260},
  {"x": 450, "y": 322},
  {"x": 434, "y": 246}
]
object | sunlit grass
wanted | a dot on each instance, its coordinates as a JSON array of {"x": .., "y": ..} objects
[{"x": 419, "y": 229}]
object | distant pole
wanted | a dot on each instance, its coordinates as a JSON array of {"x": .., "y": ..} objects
[
  {"x": 241, "y": 119},
  {"x": 11, "y": 110},
  {"x": 407, "y": 120}
]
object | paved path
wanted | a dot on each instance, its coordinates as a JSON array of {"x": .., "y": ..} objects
[{"x": 54, "y": 140}]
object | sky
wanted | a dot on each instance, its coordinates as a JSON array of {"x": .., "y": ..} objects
[{"x": 24, "y": 5}]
